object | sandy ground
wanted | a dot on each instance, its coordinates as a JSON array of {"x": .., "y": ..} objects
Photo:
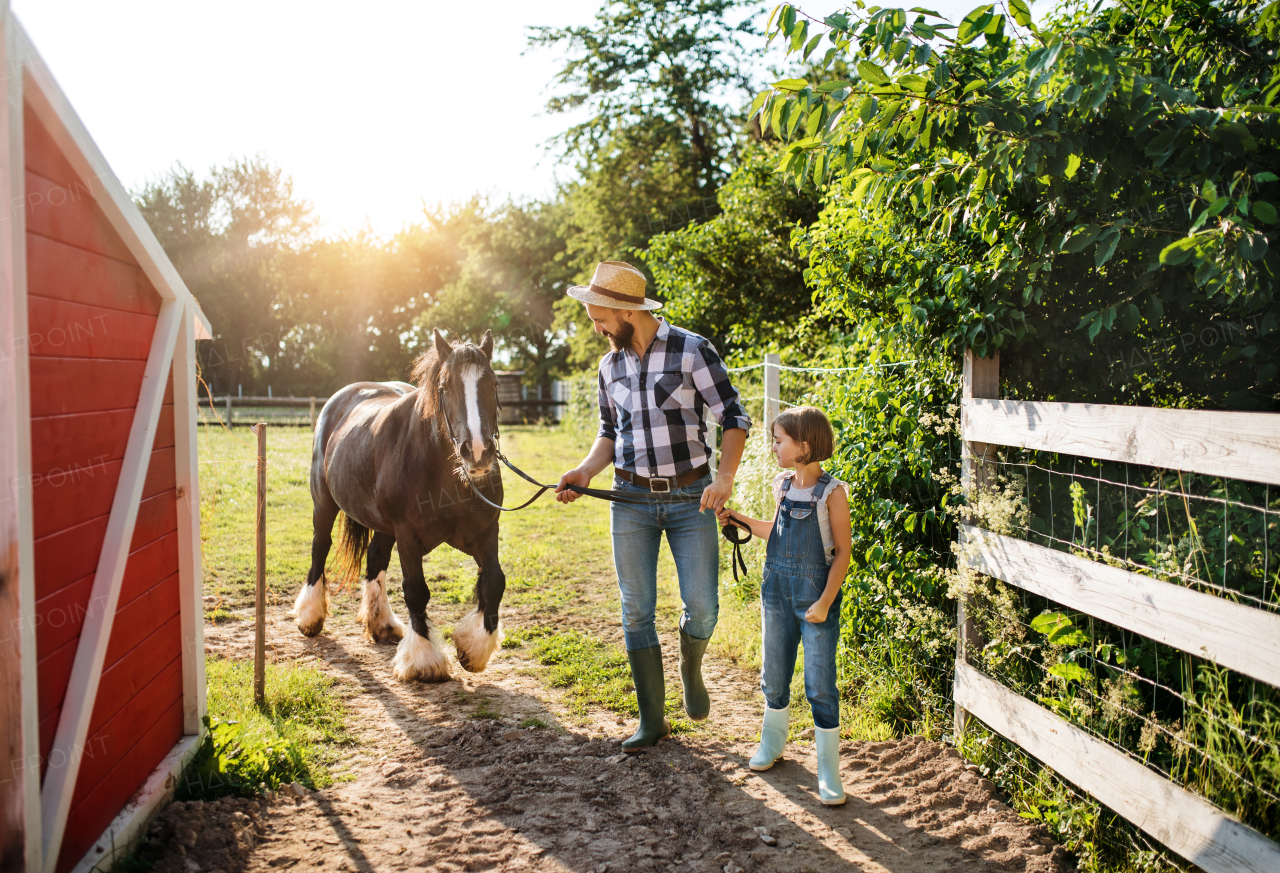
[{"x": 430, "y": 788}]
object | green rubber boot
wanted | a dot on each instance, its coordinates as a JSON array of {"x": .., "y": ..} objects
[
  {"x": 651, "y": 695},
  {"x": 697, "y": 703}
]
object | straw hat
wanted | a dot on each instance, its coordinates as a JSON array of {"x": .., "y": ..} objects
[{"x": 617, "y": 286}]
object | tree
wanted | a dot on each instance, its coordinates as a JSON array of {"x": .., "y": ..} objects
[
  {"x": 290, "y": 311},
  {"x": 735, "y": 278},
  {"x": 513, "y": 270},
  {"x": 1118, "y": 167},
  {"x": 663, "y": 83},
  {"x": 229, "y": 236},
  {"x": 658, "y": 77}
]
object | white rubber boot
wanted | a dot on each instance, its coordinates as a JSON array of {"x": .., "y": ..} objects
[
  {"x": 830, "y": 791},
  {"x": 773, "y": 738}
]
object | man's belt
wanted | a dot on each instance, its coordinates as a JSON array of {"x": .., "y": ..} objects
[{"x": 664, "y": 484}]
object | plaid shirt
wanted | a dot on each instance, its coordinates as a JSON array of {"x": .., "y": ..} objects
[{"x": 652, "y": 407}]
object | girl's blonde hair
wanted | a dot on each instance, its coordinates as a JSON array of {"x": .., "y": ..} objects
[{"x": 809, "y": 425}]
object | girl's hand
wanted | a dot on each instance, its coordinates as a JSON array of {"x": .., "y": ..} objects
[
  {"x": 817, "y": 613},
  {"x": 724, "y": 514}
]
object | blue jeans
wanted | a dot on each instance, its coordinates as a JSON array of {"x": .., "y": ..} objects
[
  {"x": 785, "y": 594},
  {"x": 695, "y": 544}
]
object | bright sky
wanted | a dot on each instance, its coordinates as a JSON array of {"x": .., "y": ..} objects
[{"x": 373, "y": 108}]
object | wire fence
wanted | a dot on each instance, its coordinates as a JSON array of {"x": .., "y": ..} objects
[{"x": 1206, "y": 728}]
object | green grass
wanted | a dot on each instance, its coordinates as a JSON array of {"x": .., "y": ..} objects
[
  {"x": 228, "y": 494},
  {"x": 548, "y": 550},
  {"x": 296, "y": 735},
  {"x": 518, "y": 637},
  {"x": 598, "y": 674},
  {"x": 485, "y": 709}
]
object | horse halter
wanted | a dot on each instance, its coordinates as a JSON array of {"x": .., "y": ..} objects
[{"x": 457, "y": 452}]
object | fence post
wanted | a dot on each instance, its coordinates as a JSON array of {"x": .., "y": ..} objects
[
  {"x": 771, "y": 394},
  {"x": 313, "y": 413},
  {"x": 260, "y": 619},
  {"x": 981, "y": 380},
  {"x": 228, "y": 408}
]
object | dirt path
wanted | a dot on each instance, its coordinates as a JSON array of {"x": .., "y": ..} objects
[{"x": 431, "y": 788}]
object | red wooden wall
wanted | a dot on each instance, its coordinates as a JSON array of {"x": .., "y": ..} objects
[{"x": 92, "y": 313}]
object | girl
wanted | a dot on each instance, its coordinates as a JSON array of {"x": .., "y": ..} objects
[{"x": 807, "y": 558}]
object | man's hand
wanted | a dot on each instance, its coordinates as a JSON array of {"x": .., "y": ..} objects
[
  {"x": 717, "y": 493},
  {"x": 576, "y": 476}
]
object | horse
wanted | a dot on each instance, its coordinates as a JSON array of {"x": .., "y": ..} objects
[{"x": 400, "y": 461}]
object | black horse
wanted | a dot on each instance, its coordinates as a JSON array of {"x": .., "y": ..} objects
[{"x": 401, "y": 463}]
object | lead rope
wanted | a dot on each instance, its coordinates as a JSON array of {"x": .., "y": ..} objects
[
  {"x": 733, "y": 532},
  {"x": 626, "y": 497}
]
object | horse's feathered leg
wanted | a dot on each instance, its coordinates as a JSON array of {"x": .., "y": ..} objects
[
  {"x": 420, "y": 654},
  {"x": 478, "y": 634},
  {"x": 380, "y": 623},
  {"x": 312, "y": 606}
]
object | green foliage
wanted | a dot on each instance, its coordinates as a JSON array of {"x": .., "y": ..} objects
[
  {"x": 658, "y": 79},
  {"x": 514, "y": 268},
  {"x": 662, "y": 84},
  {"x": 735, "y": 277},
  {"x": 895, "y": 429},
  {"x": 582, "y": 415},
  {"x": 249, "y": 749},
  {"x": 289, "y": 310},
  {"x": 1093, "y": 178}
]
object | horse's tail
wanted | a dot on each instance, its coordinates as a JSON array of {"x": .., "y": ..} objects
[{"x": 352, "y": 546}]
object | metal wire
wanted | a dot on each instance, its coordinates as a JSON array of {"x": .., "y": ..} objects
[
  {"x": 982, "y": 608},
  {"x": 1190, "y": 579}
]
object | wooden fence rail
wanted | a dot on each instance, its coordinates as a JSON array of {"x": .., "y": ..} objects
[{"x": 1236, "y": 445}]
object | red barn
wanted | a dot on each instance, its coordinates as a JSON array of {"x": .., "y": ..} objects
[{"x": 101, "y": 647}]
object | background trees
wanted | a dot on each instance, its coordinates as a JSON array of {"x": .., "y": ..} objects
[{"x": 1092, "y": 196}]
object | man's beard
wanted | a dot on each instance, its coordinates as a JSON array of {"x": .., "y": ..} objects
[{"x": 622, "y": 339}]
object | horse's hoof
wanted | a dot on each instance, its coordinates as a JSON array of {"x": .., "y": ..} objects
[
  {"x": 311, "y": 608},
  {"x": 380, "y": 623},
  {"x": 474, "y": 645},
  {"x": 421, "y": 658},
  {"x": 389, "y": 634}
]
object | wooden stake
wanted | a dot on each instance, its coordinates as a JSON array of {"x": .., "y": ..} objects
[
  {"x": 313, "y": 414},
  {"x": 260, "y": 630},
  {"x": 772, "y": 393}
]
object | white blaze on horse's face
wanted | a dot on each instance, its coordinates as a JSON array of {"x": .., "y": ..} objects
[{"x": 471, "y": 392}]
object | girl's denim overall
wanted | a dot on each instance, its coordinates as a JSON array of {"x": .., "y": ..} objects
[{"x": 795, "y": 574}]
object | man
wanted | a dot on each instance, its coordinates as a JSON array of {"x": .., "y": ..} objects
[{"x": 653, "y": 388}]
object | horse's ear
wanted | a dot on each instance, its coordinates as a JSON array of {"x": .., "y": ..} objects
[
  {"x": 443, "y": 349},
  {"x": 486, "y": 344}
]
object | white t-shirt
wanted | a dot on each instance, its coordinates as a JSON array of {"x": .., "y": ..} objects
[{"x": 805, "y": 494}]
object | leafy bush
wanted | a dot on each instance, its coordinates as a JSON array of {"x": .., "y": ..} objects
[{"x": 1068, "y": 194}]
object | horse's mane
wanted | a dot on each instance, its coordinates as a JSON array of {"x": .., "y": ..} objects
[{"x": 426, "y": 374}]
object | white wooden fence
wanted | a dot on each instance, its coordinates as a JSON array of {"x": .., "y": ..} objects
[{"x": 1236, "y": 445}]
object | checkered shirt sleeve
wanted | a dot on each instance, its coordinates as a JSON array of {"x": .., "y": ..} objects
[{"x": 653, "y": 409}]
